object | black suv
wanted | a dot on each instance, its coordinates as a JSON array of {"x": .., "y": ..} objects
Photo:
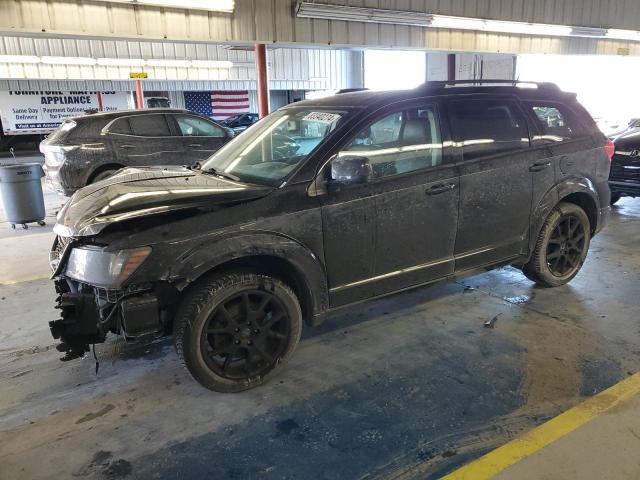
[
  {"x": 375, "y": 192},
  {"x": 87, "y": 149},
  {"x": 625, "y": 165},
  {"x": 239, "y": 123}
]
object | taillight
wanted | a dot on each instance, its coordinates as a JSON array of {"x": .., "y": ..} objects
[{"x": 609, "y": 149}]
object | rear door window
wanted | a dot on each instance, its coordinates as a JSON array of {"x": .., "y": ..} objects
[
  {"x": 153, "y": 125},
  {"x": 556, "y": 122},
  {"x": 191, "y": 126},
  {"x": 485, "y": 127}
]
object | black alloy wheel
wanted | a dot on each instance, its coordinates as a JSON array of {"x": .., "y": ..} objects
[
  {"x": 561, "y": 246},
  {"x": 233, "y": 331},
  {"x": 566, "y": 246},
  {"x": 245, "y": 334}
]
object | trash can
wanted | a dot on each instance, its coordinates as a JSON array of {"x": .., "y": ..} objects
[{"x": 21, "y": 192}]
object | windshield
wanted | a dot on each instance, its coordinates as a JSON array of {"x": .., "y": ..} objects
[{"x": 275, "y": 146}]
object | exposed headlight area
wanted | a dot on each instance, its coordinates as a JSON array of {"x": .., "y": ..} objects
[{"x": 94, "y": 266}]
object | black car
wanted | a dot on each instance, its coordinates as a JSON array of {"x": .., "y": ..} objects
[
  {"x": 87, "y": 149},
  {"x": 625, "y": 165},
  {"x": 241, "y": 122},
  {"x": 374, "y": 193}
]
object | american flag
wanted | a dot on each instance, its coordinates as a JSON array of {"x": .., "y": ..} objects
[{"x": 218, "y": 104}]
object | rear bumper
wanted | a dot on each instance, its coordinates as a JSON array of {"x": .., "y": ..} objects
[
  {"x": 53, "y": 178},
  {"x": 627, "y": 188}
]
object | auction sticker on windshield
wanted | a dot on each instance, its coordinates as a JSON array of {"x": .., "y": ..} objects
[{"x": 322, "y": 117}]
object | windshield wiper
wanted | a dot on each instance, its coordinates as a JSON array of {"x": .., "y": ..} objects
[
  {"x": 195, "y": 166},
  {"x": 220, "y": 173}
]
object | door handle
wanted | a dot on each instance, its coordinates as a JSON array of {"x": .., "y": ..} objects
[
  {"x": 127, "y": 146},
  {"x": 194, "y": 145},
  {"x": 442, "y": 188},
  {"x": 539, "y": 166}
]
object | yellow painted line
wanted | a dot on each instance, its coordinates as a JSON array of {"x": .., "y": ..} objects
[
  {"x": 23, "y": 280},
  {"x": 499, "y": 459}
]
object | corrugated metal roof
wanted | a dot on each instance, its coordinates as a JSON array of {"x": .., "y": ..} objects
[{"x": 274, "y": 21}]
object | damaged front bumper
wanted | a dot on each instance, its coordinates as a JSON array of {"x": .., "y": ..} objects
[{"x": 88, "y": 313}]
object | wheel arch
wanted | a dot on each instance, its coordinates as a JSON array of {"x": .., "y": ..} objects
[
  {"x": 101, "y": 168},
  {"x": 587, "y": 203},
  {"x": 268, "y": 254},
  {"x": 577, "y": 190}
]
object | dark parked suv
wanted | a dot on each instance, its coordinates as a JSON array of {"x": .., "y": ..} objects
[
  {"x": 376, "y": 193},
  {"x": 625, "y": 165},
  {"x": 239, "y": 123},
  {"x": 87, "y": 149}
]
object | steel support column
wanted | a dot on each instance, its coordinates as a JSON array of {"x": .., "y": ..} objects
[
  {"x": 260, "y": 52},
  {"x": 139, "y": 96}
]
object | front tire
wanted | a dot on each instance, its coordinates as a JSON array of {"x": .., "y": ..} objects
[
  {"x": 561, "y": 248},
  {"x": 233, "y": 330}
]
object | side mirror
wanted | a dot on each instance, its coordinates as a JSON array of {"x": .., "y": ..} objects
[{"x": 351, "y": 169}]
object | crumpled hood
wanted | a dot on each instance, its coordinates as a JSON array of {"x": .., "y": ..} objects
[{"x": 138, "y": 192}]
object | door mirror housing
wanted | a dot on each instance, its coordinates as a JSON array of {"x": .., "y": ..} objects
[{"x": 351, "y": 169}]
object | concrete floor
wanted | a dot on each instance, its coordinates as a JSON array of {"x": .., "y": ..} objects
[{"x": 411, "y": 386}]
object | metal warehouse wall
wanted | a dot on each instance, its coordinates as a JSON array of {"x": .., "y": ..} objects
[
  {"x": 274, "y": 21},
  {"x": 289, "y": 68}
]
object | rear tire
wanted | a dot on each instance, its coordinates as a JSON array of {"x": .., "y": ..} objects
[
  {"x": 232, "y": 331},
  {"x": 561, "y": 248},
  {"x": 615, "y": 197}
]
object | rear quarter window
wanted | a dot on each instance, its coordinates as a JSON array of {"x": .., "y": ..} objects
[
  {"x": 486, "y": 127},
  {"x": 79, "y": 128},
  {"x": 152, "y": 125},
  {"x": 557, "y": 122}
]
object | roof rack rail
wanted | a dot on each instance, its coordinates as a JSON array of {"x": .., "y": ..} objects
[{"x": 484, "y": 82}]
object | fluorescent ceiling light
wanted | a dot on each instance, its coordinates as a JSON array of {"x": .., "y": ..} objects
[
  {"x": 632, "y": 35},
  {"x": 499, "y": 26},
  {"x": 588, "y": 32},
  {"x": 396, "y": 17},
  {"x": 19, "y": 59},
  {"x": 528, "y": 28},
  {"x": 361, "y": 14},
  {"x": 168, "y": 63},
  {"x": 225, "y": 6},
  {"x": 69, "y": 60},
  {"x": 211, "y": 64},
  {"x": 121, "y": 62},
  {"x": 458, "y": 23},
  {"x": 216, "y": 5}
]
